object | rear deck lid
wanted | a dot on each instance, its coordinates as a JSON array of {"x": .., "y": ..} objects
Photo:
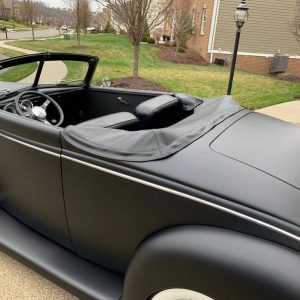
[{"x": 265, "y": 143}]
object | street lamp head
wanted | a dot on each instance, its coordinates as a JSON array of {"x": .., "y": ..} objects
[{"x": 241, "y": 14}]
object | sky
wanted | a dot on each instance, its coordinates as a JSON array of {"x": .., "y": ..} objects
[
  {"x": 55, "y": 3},
  {"x": 60, "y": 3}
]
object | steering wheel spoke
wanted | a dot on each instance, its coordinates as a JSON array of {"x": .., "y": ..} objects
[{"x": 46, "y": 103}]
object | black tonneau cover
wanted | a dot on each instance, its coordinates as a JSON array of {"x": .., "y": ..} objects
[{"x": 149, "y": 145}]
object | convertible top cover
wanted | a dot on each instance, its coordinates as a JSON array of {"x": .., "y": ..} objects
[{"x": 153, "y": 144}]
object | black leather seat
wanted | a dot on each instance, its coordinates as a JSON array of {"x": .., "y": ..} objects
[
  {"x": 122, "y": 120},
  {"x": 159, "y": 112}
]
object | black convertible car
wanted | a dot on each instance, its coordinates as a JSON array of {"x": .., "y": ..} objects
[{"x": 134, "y": 195}]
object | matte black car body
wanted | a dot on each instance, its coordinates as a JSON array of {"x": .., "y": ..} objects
[{"x": 220, "y": 217}]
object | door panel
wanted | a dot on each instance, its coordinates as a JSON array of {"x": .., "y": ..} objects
[
  {"x": 105, "y": 101},
  {"x": 30, "y": 176}
]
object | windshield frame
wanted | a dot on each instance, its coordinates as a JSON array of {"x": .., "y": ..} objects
[{"x": 41, "y": 58}]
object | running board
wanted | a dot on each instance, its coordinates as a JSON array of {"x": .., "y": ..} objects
[{"x": 82, "y": 278}]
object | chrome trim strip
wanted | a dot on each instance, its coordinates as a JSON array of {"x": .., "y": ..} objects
[
  {"x": 189, "y": 197},
  {"x": 29, "y": 145}
]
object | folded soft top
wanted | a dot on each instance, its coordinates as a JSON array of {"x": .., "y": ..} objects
[{"x": 153, "y": 144}]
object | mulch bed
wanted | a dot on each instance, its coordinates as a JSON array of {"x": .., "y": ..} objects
[
  {"x": 290, "y": 78},
  {"x": 169, "y": 54},
  {"x": 137, "y": 84}
]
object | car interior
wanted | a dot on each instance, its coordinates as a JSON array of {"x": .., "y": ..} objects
[{"x": 101, "y": 107}]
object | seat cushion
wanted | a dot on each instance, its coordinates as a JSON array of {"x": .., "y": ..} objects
[
  {"x": 122, "y": 120},
  {"x": 158, "y": 112}
]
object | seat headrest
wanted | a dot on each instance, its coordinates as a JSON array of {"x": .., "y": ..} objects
[{"x": 155, "y": 108}]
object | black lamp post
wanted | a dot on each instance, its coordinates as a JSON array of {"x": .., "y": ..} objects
[{"x": 240, "y": 16}]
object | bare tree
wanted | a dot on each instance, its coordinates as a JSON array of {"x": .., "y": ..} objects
[
  {"x": 85, "y": 14},
  {"x": 2, "y": 8},
  {"x": 28, "y": 10},
  {"x": 82, "y": 14},
  {"x": 295, "y": 24},
  {"x": 74, "y": 6},
  {"x": 181, "y": 22},
  {"x": 133, "y": 15}
]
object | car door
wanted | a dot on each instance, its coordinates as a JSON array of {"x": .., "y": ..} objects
[
  {"x": 30, "y": 176},
  {"x": 30, "y": 166}
]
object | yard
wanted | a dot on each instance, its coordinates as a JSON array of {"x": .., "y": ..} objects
[
  {"x": 15, "y": 26},
  {"x": 251, "y": 90}
]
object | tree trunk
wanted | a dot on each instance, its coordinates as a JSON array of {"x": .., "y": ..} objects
[
  {"x": 78, "y": 35},
  {"x": 33, "y": 37},
  {"x": 177, "y": 47},
  {"x": 78, "y": 23},
  {"x": 136, "y": 58}
]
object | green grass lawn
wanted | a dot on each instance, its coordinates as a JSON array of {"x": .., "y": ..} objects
[
  {"x": 251, "y": 90},
  {"x": 13, "y": 25},
  {"x": 16, "y": 73}
]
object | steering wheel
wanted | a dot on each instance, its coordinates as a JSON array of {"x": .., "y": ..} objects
[{"x": 38, "y": 112}]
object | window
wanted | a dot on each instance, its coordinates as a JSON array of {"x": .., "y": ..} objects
[
  {"x": 64, "y": 72},
  {"x": 22, "y": 73},
  {"x": 203, "y": 20},
  {"x": 194, "y": 20}
]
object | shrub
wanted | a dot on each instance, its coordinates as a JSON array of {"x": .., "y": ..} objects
[
  {"x": 109, "y": 28},
  {"x": 146, "y": 33},
  {"x": 144, "y": 39},
  {"x": 181, "y": 49},
  {"x": 151, "y": 40}
]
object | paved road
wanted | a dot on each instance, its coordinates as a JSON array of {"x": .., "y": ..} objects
[{"x": 28, "y": 34}]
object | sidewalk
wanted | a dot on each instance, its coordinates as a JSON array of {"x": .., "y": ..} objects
[{"x": 289, "y": 111}]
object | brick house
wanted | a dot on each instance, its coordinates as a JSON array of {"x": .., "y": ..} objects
[
  {"x": 6, "y": 9},
  {"x": 266, "y": 32}
]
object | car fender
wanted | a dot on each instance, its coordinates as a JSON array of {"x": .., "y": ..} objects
[{"x": 219, "y": 263}]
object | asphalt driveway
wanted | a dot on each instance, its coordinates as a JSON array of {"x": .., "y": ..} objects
[
  {"x": 19, "y": 282},
  {"x": 28, "y": 34}
]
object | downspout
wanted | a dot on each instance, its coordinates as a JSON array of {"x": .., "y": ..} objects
[{"x": 214, "y": 28}]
